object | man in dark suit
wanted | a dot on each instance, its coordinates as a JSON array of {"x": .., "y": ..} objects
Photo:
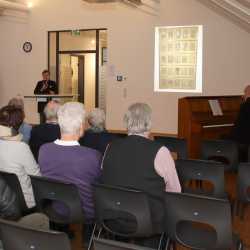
[
  {"x": 241, "y": 130},
  {"x": 45, "y": 87},
  {"x": 45, "y": 132}
]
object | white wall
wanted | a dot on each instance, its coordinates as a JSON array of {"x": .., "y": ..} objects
[{"x": 131, "y": 52}]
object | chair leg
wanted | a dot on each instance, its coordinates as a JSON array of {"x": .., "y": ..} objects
[
  {"x": 168, "y": 243},
  {"x": 92, "y": 237},
  {"x": 160, "y": 242},
  {"x": 99, "y": 233},
  {"x": 240, "y": 245}
]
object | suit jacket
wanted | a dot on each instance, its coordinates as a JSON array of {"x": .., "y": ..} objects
[
  {"x": 241, "y": 130},
  {"x": 52, "y": 86},
  {"x": 41, "y": 134}
]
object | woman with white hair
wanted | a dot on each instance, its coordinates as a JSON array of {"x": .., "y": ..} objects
[
  {"x": 140, "y": 163},
  {"x": 96, "y": 136},
  {"x": 65, "y": 160}
]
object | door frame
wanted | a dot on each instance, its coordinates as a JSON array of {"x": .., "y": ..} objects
[
  {"x": 58, "y": 52},
  {"x": 81, "y": 87}
]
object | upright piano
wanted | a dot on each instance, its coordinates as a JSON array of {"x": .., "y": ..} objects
[{"x": 206, "y": 117}]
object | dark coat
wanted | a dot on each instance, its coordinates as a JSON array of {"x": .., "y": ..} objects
[
  {"x": 241, "y": 130},
  {"x": 9, "y": 208}
]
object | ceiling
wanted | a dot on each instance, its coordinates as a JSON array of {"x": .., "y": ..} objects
[{"x": 237, "y": 11}]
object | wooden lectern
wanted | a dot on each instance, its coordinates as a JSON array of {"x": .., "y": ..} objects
[
  {"x": 46, "y": 98},
  {"x": 206, "y": 117}
]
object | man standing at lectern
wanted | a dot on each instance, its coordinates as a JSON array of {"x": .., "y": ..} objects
[{"x": 45, "y": 87}]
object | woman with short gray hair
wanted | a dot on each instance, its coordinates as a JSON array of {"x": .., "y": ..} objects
[
  {"x": 96, "y": 136},
  {"x": 140, "y": 163},
  {"x": 96, "y": 120},
  {"x": 25, "y": 128},
  {"x": 138, "y": 119},
  {"x": 66, "y": 160}
]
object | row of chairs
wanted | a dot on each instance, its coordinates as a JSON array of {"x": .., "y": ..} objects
[
  {"x": 28, "y": 238},
  {"x": 224, "y": 151},
  {"x": 188, "y": 171},
  {"x": 193, "y": 221}
]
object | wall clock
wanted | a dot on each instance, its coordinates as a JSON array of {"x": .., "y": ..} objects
[{"x": 27, "y": 47}]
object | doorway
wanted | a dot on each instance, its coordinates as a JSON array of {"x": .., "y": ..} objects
[
  {"x": 77, "y": 76},
  {"x": 77, "y": 62}
]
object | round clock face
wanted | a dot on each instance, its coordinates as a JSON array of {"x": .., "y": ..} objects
[{"x": 27, "y": 47}]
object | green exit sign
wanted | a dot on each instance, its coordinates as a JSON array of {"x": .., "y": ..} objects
[{"x": 75, "y": 32}]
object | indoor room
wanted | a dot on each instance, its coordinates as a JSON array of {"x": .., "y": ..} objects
[{"x": 124, "y": 124}]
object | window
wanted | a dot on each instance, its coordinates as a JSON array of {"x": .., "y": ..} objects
[{"x": 178, "y": 59}]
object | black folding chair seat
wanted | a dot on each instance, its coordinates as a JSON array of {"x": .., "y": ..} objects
[
  {"x": 202, "y": 171},
  {"x": 199, "y": 222},
  {"x": 221, "y": 151},
  {"x": 103, "y": 244},
  {"x": 48, "y": 191},
  {"x": 16, "y": 237},
  {"x": 122, "y": 205}
]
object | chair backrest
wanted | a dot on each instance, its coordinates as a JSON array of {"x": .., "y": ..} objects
[
  {"x": 103, "y": 244},
  {"x": 14, "y": 184},
  {"x": 15, "y": 237},
  {"x": 48, "y": 192},
  {"x": 184, "y": 215},
  {"x": 212, "y": 172},
  {"x": 243, "y": 182},
  {"x": 221, "y": 150},
  {"x": 176, "y": 145},
  {"x": 116, "y": 204}
]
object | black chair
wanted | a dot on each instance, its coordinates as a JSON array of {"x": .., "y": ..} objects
[
  {"x": 221, "y": 151},
  {"x": 13, "y": 182},
  {"x": 176, "y": 145},
  {"x": 103, "y": 244},
  {"x": 243, "y": 188},
  {"x": 48, "y": 191},
  {"x": 115, "y": 205},
  {"x": 199, "y": 222},
  {"x": 201, "y": 170},
  {"x": 16, "y": 237}
]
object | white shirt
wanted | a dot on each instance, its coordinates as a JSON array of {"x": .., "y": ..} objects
[{"x": 66, "y": 143}]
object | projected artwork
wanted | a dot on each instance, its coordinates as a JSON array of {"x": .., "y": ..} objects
[{"x": 178, "y": 59}]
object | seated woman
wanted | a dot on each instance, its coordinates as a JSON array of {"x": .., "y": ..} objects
[
  {"x": 139, "y": 163},
  {"x": 96, "y": 136},
  {"x": 25, "y": 128},
  {"x": 15, "y": 155}
]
